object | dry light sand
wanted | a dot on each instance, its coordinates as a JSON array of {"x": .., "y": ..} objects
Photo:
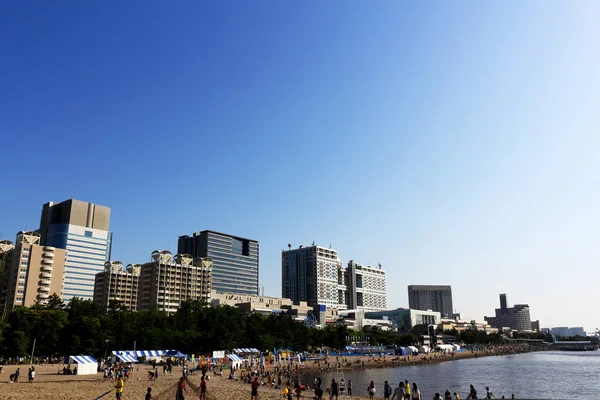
[{"x": 49, "y": 385}]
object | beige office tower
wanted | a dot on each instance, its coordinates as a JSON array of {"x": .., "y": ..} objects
[
  {"x": 117, "y": 283},
  {"x": 31, "y": 273},
  {"x": 167, "y": 281}
]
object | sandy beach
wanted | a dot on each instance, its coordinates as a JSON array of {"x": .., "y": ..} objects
[{"x": 50, "y": 385}]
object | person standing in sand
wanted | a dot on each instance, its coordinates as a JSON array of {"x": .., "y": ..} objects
[
  {"x": 180, "y": 389},
  {"x": 202, "y": 389},
  {"x": 255, "y": 385},
  {"x": 119, "y": 387}
]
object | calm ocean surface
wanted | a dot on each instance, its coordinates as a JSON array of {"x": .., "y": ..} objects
[{"x": 547, "y": 375}]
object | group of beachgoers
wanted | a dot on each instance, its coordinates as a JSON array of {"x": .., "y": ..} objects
[{"x": 16, "y": 376}]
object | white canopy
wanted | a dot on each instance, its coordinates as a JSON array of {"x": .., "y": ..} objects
[
  {"x": 455, "y": 347},
  {"x": 412, "y": 349},
  {"x": 444, "y": 347},
  {"x": 86, "y": 365},
  {"x": 424, "y": 349}
]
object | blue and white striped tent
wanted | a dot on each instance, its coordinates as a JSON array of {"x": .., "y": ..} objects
[
  {"x": 86, "y": 365},
  {"x": 246, "y": 350},
  {"x": 141, "y": 353},
  {"x": 236, "y": 361},
  {"x": 126, "y": 358}
]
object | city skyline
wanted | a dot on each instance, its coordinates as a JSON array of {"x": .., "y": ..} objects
[{"x": 441, "y": 142}]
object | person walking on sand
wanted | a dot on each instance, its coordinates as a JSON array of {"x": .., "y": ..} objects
[
  {"x": 399, "y": 392},
  {"x": 371, "y": 389},
  {"x": 255, "y": 385},
  {"x": 416, "y": 393},
  {"x": 181, "y": 389},
  {"x": 350, "y": 388},
  {"x": 149, "y": 394},
  {"x": 119, "y": 387},
  {"x": 202, "y": 389},
  {"x": 334, "y": 390}
]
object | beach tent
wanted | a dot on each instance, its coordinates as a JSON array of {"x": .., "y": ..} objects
[
  {"x": 447, "y": 347},
  {"x": 124, "y": 358},
  {"x": 141, "y": 353},
  {"x": 86, "y": 365},
  {"x": 424, "y": 350},
  {"x": 176, "y": 354},
  {"x": 455, "y": 347},
  {"x": 236, "y": 361},
  {"x": 245, "y": 350},
  {"x": 412, "y": 349}
]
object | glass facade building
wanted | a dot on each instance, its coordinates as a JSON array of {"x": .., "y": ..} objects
[
  {"x": 431, "y": 297},
  {"x": 81, "y": 228},
  {"x": 235, "y": 259}
]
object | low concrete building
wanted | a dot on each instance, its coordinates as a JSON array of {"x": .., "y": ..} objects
[
  {"x": 405, "y": 319},
  {"x": 261, "y": 304}
]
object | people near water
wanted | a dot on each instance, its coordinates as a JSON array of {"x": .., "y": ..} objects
[
  {"x": 387, "y": 390},
  {"x": 342, "y": 386},
  {"x": 416, "y": 393},
  {"x": 489, "y": 394},
  {"x": 447, "y": 395},
  {"x": 119, "y": 387},
  {"x": 181, "y": 389},
  {"x": 472, "y": 392},
  {"x": 334, "y": 390},
  {"x": 437, "y": 396},
  {"x": 148, "y": 394},
  {"x": 349, "y": 387},
  {"x": 371, "y": 389},
  {"x": 255, "y": 385},
  {"x": 406, "y": 389},
  {"x": 399, "y": 392},
  {"x": 457, "y": 396}
]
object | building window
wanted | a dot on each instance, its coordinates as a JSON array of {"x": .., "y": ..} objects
[
  {"x": 21, "y": 284},
  {"x": 88, "y": 234},
  {"x": 19, "y": 292},
  {"x": 19, "y": 299}
]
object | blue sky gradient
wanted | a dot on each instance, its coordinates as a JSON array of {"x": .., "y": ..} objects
[{"x": 452, "y": 143}]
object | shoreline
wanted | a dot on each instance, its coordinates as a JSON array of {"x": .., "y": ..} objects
[{"x": 350, "y": 363}]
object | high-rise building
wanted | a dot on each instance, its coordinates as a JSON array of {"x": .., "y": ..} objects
[
  {"x": 167, "y": 281},
  {"x": 313, "y": 274},
  {"x": 365, "y": 287},
  {"x": 235, "y": 259},
  {"x": 431, "y": 297},
  {"x": 31, "y": 273},
  {"x": 516, "y": 318},
  {"x": 82, "y": 229},
  {"x": 118, "y": 284}
]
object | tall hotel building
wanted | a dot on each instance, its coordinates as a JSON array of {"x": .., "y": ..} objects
[
  {"x": 365, "y": 287},
  {"x": 313, "y": 274},
  {"x": 167, "y": 281},
  {"x": 82, "y": 229},
  {"x": 234, "y": 259},
  {"x": 31, "y": 273}
]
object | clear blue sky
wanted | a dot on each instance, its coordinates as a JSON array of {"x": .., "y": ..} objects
[{"x": 452, "y": 143}]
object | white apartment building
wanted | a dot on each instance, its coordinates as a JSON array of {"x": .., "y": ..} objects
[{"x": 366, "y": 288}]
